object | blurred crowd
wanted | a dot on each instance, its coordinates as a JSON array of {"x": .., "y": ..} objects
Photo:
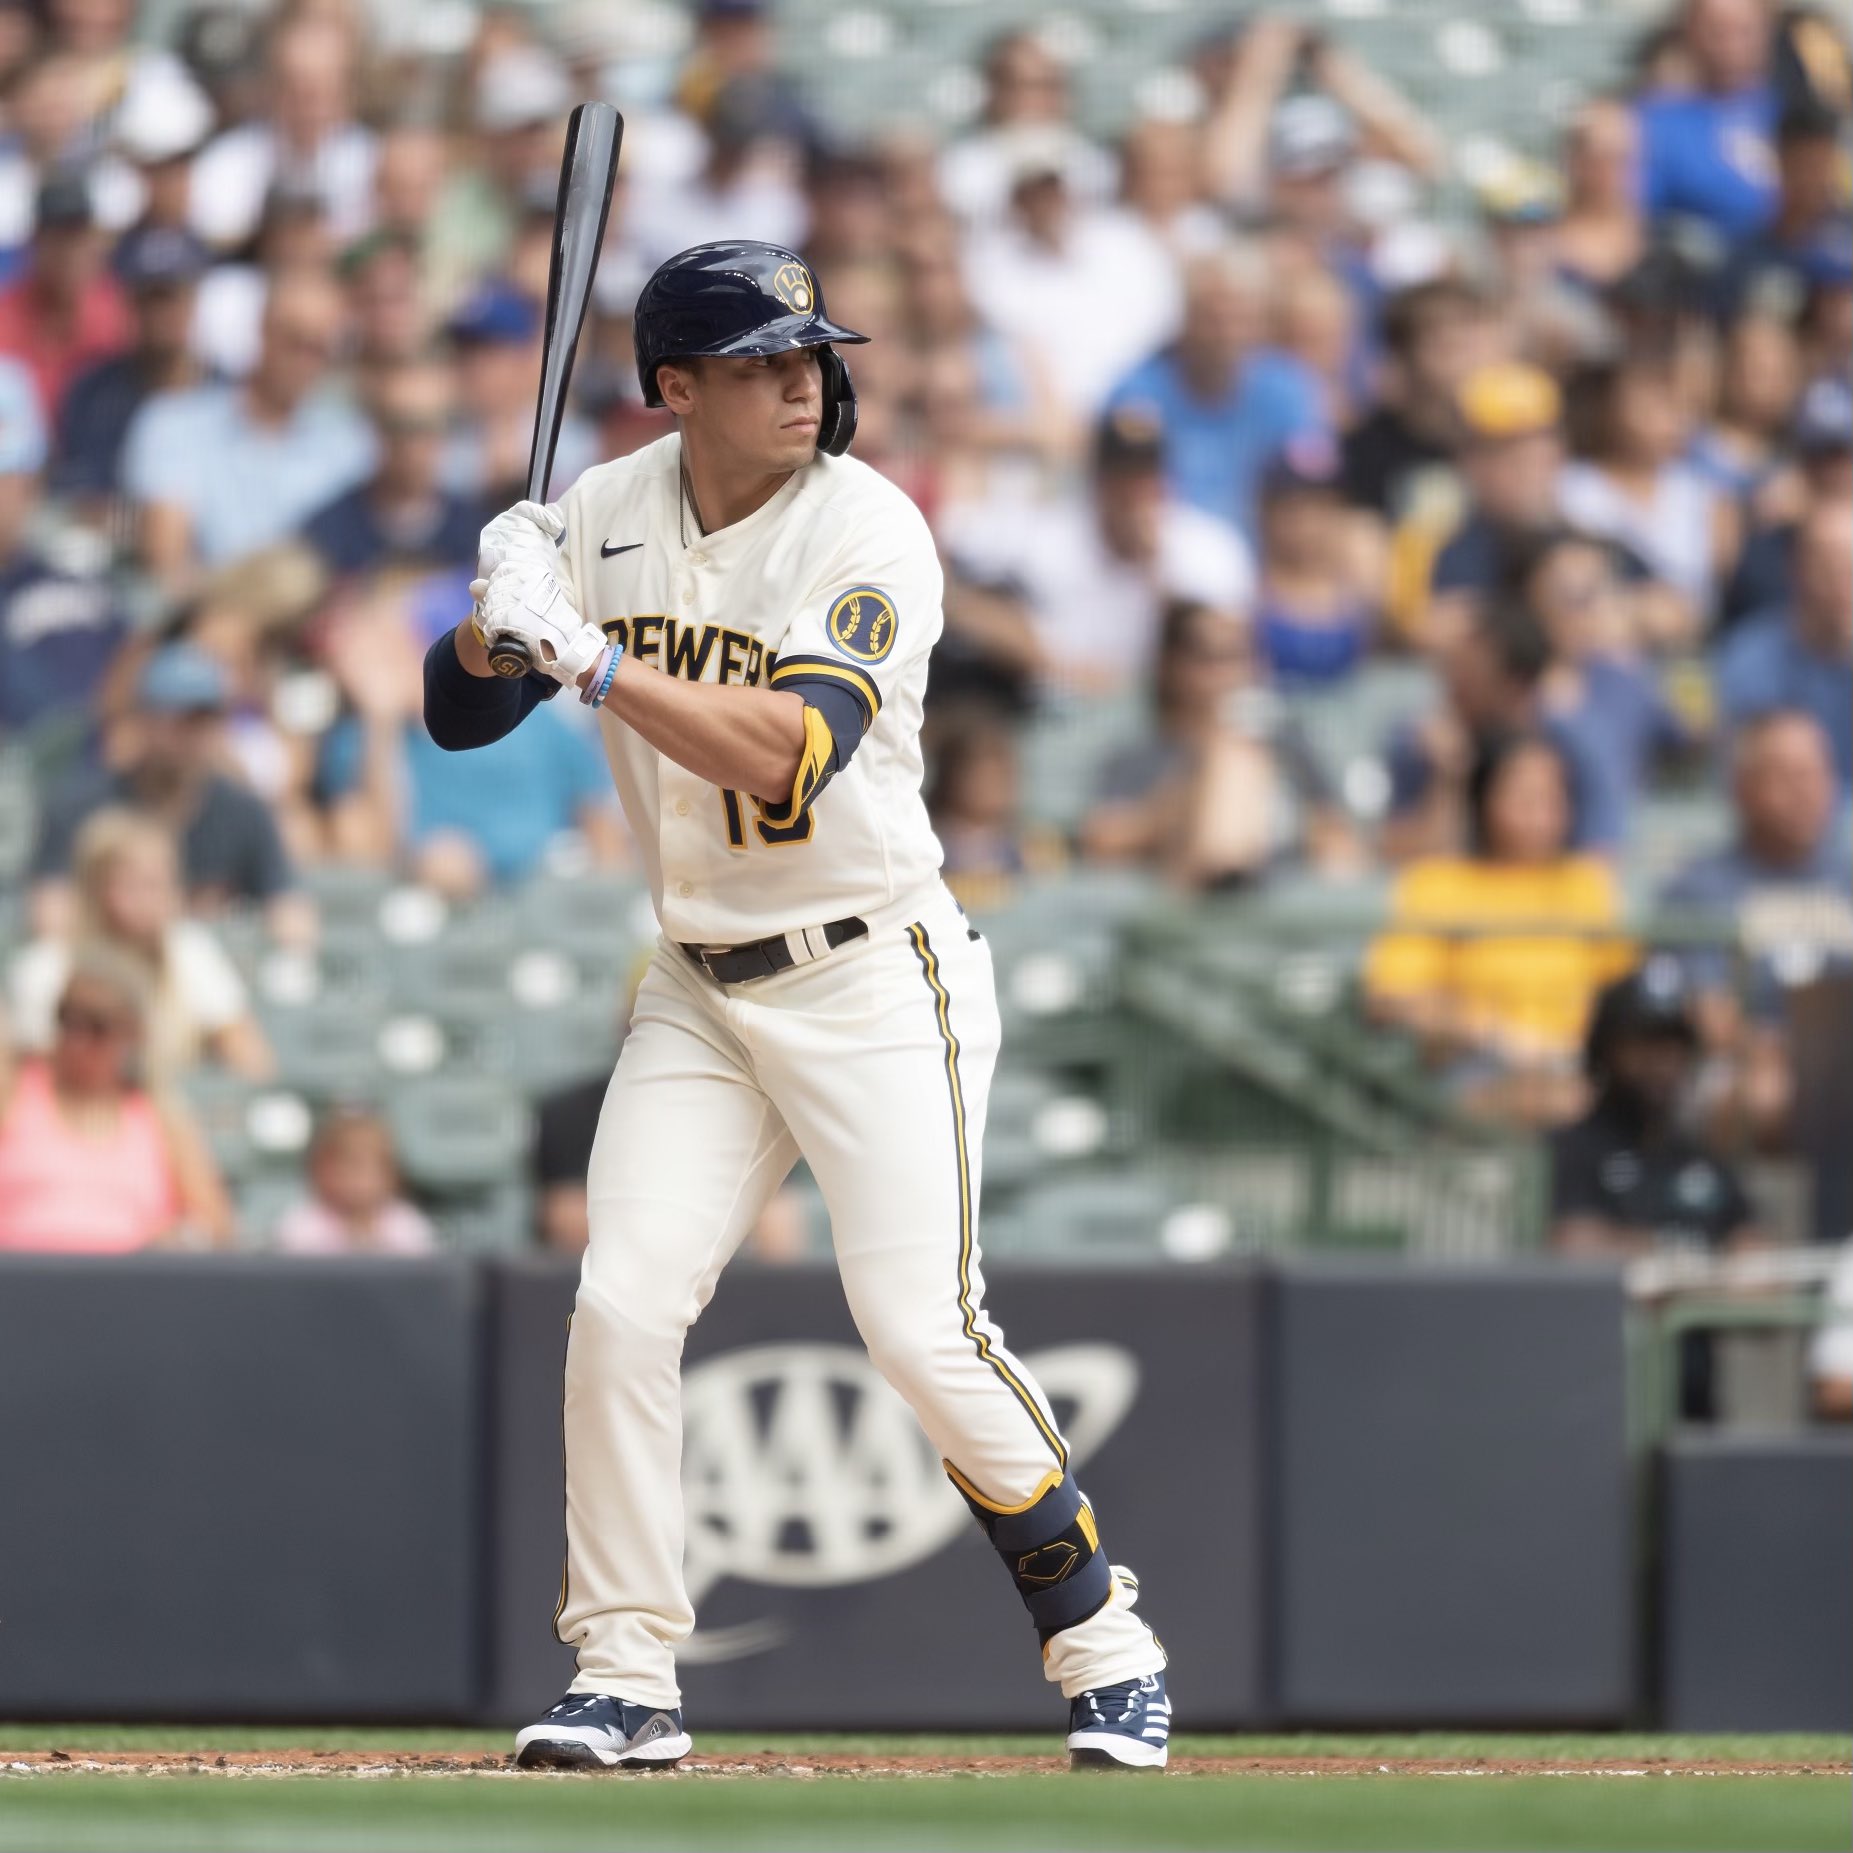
[{"x": 1216, "y": 416}]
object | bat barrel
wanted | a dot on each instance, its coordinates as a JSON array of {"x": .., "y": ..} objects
[{"x": 588, "y": 170}]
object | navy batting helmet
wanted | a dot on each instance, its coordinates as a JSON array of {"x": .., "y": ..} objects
[{"x": 742, "y": 299}]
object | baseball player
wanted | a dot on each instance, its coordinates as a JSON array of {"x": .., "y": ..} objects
[{"x": 750, "y": 612}]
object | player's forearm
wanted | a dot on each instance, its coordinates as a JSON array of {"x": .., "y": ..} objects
[
  {"x": 743, "y": 739},
  {"x": 465, "y": 707}
]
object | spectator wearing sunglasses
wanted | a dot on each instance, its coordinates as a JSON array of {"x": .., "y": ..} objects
[
  {"x": 402, "y": 516},
  {"x": 221, "y": 470},
  {"x": 91, "y": 1160}
]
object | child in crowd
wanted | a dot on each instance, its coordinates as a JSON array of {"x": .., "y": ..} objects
[
  {"x": 1315, "y": 615},
  {"x": 354, "y": 1205}
]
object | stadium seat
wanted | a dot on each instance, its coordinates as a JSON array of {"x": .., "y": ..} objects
[
  {"x": 1063, "y": 749},
  {"x": 19, "y": 816},
  {"x": 346, "y": 897},
  {"x": 603, "y": 923},
  {"x": 327, "y": 1048},
  {"x": 261, "y": 1200},
  {"x": 498, "y": 1219},
  {"x": 1086, "y": 1214},
  {"x": 459, "y": 1132}
]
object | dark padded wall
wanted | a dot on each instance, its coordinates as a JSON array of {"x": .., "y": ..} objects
[
  {"x": 1756, "y": 1544},
  {"x": 941, "y": 1640},
  {"x": 236, "y": 1487},
  {"x": 1450, "y": 1495}
]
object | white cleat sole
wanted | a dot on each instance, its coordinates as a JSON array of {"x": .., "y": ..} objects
[
  {"x": 573, "y": 1747},
  {"x": 1109, "y": 1749}
]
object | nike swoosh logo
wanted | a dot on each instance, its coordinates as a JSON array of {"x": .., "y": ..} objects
[{"x": 607, "y": 551}]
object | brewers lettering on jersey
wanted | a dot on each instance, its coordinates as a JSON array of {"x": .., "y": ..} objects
[{"x": 750, "y": 612}]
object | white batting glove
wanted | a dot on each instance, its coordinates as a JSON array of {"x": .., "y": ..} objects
[
  {"x": 529, "y": 532},
  {"x": 527, "y": 604}
]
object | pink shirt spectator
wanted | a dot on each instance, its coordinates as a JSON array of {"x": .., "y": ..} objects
[
  {"x": 56, "y": 351},
  {"x": 65, "y": 1192},
  {"x": 312, "y": 1228}
]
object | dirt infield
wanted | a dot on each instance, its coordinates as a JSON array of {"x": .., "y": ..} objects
[{"x": 375, "y": 1764}]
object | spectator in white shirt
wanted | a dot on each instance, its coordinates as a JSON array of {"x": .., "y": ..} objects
[
  {"x": 1089, "y": 289},
  {"x": 749, "y": 186},
  {"x": 221, "y": 470},
  {"x": 129, "y": 901},
  {"x": 310, "y": 139},
  {"x": 1067, "y": 597},
  {"x": 1026, "y": 104}
]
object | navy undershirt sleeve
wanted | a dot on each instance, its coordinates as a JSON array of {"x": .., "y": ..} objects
[{"x": 462, "y": 710}]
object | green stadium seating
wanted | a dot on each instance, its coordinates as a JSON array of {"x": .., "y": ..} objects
[
  {"x": 329, "y": 1047},
  {"x": 459, "y": 1132},
  {"x": 495, "y": 1220},
  {"x": 19, "y": 815}
]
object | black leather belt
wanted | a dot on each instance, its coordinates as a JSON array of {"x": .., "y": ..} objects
[{"x": 764, "y": 958}]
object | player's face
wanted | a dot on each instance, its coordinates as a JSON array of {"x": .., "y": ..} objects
[{"x": 763, "y": 412}]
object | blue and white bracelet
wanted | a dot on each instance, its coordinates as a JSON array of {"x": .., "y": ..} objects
[{"x": 599, "y": 685}]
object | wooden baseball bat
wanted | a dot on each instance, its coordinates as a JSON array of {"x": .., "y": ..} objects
[{"x": 588, "y": 171}]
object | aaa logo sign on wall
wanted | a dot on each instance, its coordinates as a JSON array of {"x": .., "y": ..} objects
[{"x": 801, "y": 1469}]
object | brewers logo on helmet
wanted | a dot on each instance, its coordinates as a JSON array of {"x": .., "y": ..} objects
[{"x": 743, "y": 299}]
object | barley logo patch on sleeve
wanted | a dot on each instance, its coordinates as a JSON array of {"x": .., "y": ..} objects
[{"x": 862, "y": 624}]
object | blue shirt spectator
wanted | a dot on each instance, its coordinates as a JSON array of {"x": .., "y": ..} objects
[
  {"x": 242, "y": 484},
  {"x": 1602, "y": 784},
  {"x": 1783, "y": 887},
  {"x": 401, "y": 516},
  {"x": 354, "y": 534},
  {"x": 159, "y": 267},
  {"x": 58, "y": 632},
  {"x": 231, "y": 849},
  {"x": 222, "y": 470},
  {"x": 1822, "y": 440},
  {"x": 1614, "y": 724},
  {"x": 1711, "y": 157},
  {"x": 1801, "y": 655},
  {"x": 1226, "y": 406},
  {"x": 557, "y": 768}
]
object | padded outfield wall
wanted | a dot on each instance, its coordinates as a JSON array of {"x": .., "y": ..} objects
[{"x": 1356, "y": 1494}]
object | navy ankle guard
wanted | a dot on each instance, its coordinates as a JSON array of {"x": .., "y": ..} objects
[{"x": 1050, "y": 1547}]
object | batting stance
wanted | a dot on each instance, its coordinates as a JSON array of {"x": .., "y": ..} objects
[{"x": 751, "y": 611}]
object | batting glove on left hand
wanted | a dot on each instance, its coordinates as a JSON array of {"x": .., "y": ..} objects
[
  {"x": 528, "y": 534},
  {"x": 528, "y": 605}
]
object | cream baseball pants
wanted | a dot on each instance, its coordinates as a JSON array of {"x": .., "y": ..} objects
[{"x": 874, "y": 1063}]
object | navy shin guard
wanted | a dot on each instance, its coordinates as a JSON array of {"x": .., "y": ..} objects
[{"x": 1050, "y": 1547}]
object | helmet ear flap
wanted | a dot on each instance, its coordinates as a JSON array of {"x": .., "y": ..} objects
[{"x": 838, "y": 426}]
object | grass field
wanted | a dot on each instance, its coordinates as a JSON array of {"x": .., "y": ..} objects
[{"x": 81, "y": 1787}]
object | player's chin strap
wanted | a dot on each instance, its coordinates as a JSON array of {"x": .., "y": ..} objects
[{"x": 1051, "y": 1548}]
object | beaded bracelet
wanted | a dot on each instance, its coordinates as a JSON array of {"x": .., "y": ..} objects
[{"x": 599, "y": 685}]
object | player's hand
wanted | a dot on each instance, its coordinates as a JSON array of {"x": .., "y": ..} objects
[
  {"x": 525, "y": 603},
  {"x": 530, "y": 533}
]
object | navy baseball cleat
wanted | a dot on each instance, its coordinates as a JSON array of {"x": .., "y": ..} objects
[
  {"x": 588, "y": 1730},
  {"x": 1127, "y": 1726}
]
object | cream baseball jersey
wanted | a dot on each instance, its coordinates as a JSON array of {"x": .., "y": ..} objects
[{"x": 831, "y": 589}]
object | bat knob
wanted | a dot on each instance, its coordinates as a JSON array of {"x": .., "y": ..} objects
[{"x": 509, "y": 658}]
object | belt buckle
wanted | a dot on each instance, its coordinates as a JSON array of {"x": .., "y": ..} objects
[{"x": 706, "y": 955}]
